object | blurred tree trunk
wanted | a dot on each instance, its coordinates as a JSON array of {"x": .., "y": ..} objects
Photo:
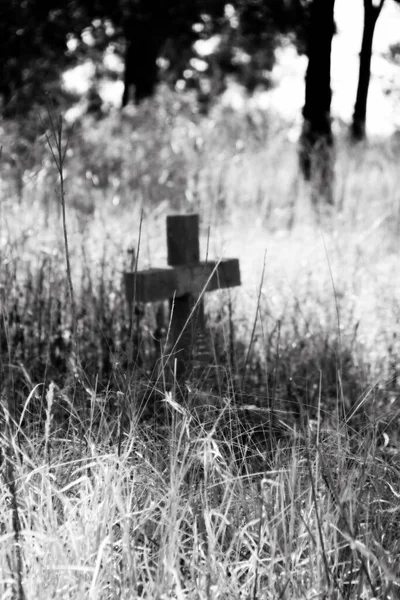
[
  {"x": 316, "y": 141},
  {"x": 145, "y": 39},
  {"x": 371, "y": 14}
]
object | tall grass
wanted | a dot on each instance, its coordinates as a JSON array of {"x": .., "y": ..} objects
[
  {"x": 274, "y": 473},
  {"x": 174, "y": 514}
]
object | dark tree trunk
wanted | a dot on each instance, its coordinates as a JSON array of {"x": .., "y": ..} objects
[
  {"x": 144, "y": 42},
  {"x": 371, "y": 14},
  {"x": 316, "y": 142}
]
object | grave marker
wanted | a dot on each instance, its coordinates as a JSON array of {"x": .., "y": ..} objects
[{"x": 183, "y": 283}]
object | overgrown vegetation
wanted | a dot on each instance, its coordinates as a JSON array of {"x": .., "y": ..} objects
[{"x": 275, "y": 474}]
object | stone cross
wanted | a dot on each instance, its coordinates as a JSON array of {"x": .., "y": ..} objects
[{"x": 183, "y": 283}]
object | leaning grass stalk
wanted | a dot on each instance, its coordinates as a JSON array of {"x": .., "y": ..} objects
[
  {"x": 231, "y": 354},
  {"x": 253, "y": 332},
  {"x": 58, "y": 152},
  {"x": 328, "y": 573},
  {"x": 276, "y": 374},
  {"x": 164, "y": 351},
  {"x": 339, "y": 359},
  {"x": 350, "y": 533},
  {"x": 258, "y": 549},
  {"x": 10, "y": 477},
  {"x": 133, "y": 306},
  {"x": 47, "y": 425}
]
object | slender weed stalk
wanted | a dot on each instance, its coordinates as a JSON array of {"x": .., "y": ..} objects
[
  {"x": 7, "y": 456},
  {"x": 253, "y": 331},
  {"x": 47, "y": 426},
  {"x": 134, "y": 264},
  {"x": 339, "y": 333},
  {"x": 58, "y": 149}
]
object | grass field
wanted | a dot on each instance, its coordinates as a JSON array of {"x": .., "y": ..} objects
[{"x": 276, "y": 475}]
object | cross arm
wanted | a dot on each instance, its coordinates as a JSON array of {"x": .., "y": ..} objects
[{"x": 154, "y": 285}]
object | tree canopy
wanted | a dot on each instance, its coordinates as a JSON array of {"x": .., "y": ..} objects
[
  {"x": 156, "y": 39},
  {"x": 33, "y": 48}
]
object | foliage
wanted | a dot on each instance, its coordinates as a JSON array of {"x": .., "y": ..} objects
[
  {"x": 247, "y": 33},
  {"x": 33, "y": 47},
  {"x": 40, "y": 40}
]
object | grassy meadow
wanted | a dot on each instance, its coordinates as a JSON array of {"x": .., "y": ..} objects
[{"x": 274, "y": 470}]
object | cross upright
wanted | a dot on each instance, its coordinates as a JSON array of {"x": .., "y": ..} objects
[{"x": 183, "y": 283}]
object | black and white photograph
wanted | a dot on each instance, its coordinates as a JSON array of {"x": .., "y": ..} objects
[{"x": 200, "y": 299}]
